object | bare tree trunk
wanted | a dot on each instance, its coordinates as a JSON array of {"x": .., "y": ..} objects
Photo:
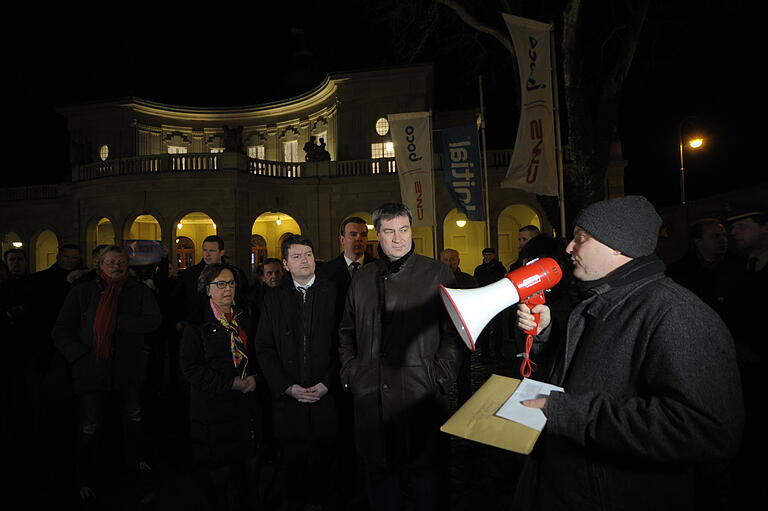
[{"x": 592, "y": 95}]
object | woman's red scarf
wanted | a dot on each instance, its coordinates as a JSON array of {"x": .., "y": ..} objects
[{"x": 106, "y": 315}]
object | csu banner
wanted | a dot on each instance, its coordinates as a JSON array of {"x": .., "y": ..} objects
[
  {"x": 412, "y": 138},
  {"x": 462, "y": 170},
  {"x": 533, "y": 166}
]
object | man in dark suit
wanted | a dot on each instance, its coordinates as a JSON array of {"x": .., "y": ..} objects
[
  {"x": 353, "y": 236},
  {"x": 296, "y": 346}
]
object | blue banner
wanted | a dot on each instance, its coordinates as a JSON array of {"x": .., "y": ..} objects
[{"x": 462, "y": 170}]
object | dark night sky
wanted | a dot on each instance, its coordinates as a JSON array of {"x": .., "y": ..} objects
[{"x": 690, "y": 63}]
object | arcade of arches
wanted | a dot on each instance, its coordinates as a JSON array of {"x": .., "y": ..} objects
[{"x": 270, "y": 228}]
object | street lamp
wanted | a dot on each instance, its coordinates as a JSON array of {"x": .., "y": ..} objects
[{"x": 693, "y": 143}]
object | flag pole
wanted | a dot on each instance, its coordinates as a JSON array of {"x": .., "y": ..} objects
[
  {"x": 558, "y": 141},
  {"x": 485, "y": 188},
  {"x": 434, "y": 190}
]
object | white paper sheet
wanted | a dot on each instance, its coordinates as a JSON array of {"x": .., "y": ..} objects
[{"x": 525, "y": 415}]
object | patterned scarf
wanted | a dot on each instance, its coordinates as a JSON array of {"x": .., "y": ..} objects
[
  {"x": 106, "y": 316},
  {"x": 237, "y": 338}
]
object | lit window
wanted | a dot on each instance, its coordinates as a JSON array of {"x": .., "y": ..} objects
[
  {"x": 291, "y": 151},
  {"x": 382, "y": 126},
  {"x": 177, "y": 149},
  {"x": 382, "y": 150},
  {"x": 104, "y": 152},
  {"x": 256, "y": 151},
  {"x": 215, "y": 150}
]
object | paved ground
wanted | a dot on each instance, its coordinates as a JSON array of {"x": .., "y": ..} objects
[{"x": 482, "y": 477}]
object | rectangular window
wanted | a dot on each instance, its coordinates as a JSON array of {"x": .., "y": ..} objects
[
  {"x": 291, "y": 151},
  {"x": 215, "y": 150},
  {"x": 177, "y": 149},
  {"x": 382, "y": 150},
  {"x": 256, "y": 151}
]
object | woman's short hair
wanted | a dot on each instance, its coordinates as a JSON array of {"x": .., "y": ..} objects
[
  {"x": 211, "y": 271},
  {"x": 112, "y": 248}
]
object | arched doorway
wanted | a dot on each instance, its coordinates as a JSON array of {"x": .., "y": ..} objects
[
  {"x": 46, "y": 248},
  {"x": 373, "y": 242},
  {"x": 424, "y": 241},
  {"x": 99, "y": 232},
  {"x": 511, "y": 219},
  {"x": 196, "y": 227},
  {"x": 272, "y": 226},
  {"x": 468, "y": 238},
  {"x": 144, "y": 227},
  {"x": 258, "y": 250},
  {"x": 185, "y": 252}
]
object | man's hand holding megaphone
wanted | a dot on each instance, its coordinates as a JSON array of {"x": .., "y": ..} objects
[{"x": 526, "y": 321}]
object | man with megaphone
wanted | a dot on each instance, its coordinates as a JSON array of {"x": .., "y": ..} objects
[{"x": 649, "y": 371}]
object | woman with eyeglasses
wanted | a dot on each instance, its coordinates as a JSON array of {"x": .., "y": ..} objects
[{"x": 216, "y": 359}]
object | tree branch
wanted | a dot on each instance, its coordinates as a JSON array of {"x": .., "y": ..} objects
[{"x": 478, "y": 25}]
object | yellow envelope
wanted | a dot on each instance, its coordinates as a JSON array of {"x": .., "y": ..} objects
[{"x": 475, "y": 420}]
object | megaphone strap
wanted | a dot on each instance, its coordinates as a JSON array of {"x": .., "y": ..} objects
[{"x": 527, "y": 366}]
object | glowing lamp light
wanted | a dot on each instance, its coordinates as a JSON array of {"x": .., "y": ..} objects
[
  {"x": 214, "y": 226},
  {"x": 369, "y": 226},
  {"x": 696, "y": 143},
  {"x": 179, "y": 226},
  {"x": 278, "y": 221},
  {"x": 461, "y": 223},
  {"x": 17, "y": 244}
]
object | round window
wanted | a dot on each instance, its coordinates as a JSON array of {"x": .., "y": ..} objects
[
  {"x": 382, "y": 126},
  {"x": 104, "y": 152}
]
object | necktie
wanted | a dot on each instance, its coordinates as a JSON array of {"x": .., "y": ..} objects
[
  {"x": 303, "y": 292},
  {"x": 353, "y": 267}
]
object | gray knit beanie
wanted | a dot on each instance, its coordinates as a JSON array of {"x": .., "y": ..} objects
[{"x": 629, "y": 224}]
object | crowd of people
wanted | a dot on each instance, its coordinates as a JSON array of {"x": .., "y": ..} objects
[{"x": 340, "y": 372}]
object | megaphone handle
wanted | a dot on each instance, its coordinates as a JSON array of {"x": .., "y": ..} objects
[
  {"x": 527, "y": 366},
  {"x": 531, "y": 302}
]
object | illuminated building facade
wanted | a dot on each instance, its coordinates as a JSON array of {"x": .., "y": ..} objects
[{"x": 144, "y": 170}]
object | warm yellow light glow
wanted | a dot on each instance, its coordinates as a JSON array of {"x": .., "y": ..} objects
[
  {"x": 177, "y": 240},
  {"x": 369, "y": 226},
  {"x": 278, "y": 221},
  {"x": 179, "y": 226},
  {"x": 390, "y": 147},
  {"x": 214, "y": 226},
  {"x": 696, "y": 143},
  {"x": 17, "y": 244},
  {"x": 461, "y": 223}
]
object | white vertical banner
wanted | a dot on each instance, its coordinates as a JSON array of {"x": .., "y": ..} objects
[
  {"x": 412, "y": 138},
  {"x": 533, "y": 167}
]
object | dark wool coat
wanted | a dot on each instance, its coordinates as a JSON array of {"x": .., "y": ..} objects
[
  {"x": 399, "y": 381},
  {"x": 651, "y": 388},
  {"x": 137, "y": 315},
  {"x": 297, "y": 344},
  {"x": 220, "y": 418}
]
